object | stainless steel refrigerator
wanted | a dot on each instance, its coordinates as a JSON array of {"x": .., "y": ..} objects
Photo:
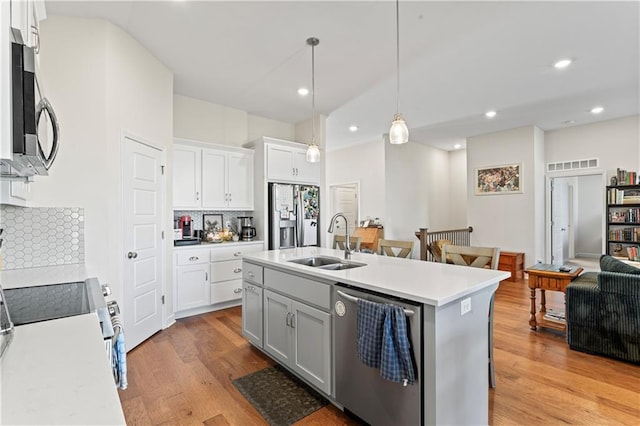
[{"x": 294, "y": 213}]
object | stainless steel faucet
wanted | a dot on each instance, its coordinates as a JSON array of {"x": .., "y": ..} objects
[{"x": 347, "y": 250}]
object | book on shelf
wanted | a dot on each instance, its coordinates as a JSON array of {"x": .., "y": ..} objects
[
  {"x": 623, "y": 196},
  {"x": 632, "y": 252},
  {"x": 626, "y": 177},
  {"x": 552, "y": 315}
]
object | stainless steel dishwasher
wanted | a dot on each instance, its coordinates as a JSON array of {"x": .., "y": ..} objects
[{"x": 359, "y": 388}]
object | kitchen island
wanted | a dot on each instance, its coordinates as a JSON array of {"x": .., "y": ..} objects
[{"x": 455, "y": 303}]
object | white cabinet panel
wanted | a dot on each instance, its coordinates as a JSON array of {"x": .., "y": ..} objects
[
  {"x": 240, "y": 181},
  {"x": 226, "y": 291},
  {"x": 187, "y": 177},
  {"x": 192, "y": 287},
  {"x": 252, "y": 313},
  {"x": 214, "y": 178},
  {"x": 226, "y": 270}
]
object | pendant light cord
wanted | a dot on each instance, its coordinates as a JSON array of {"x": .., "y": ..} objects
[
  {"x": 313, "y": 94},
  {"x": 397, "y": 56}
]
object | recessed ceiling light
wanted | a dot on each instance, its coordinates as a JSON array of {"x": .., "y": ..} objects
[
  {"x": 597, "y": 110},
  {"x": 490, "y": 114},
  {"x": 353, "y": 128},
  {"x": 562, "y": 63},
  {"x": 303, "y": 91},
  {"x": 457, "y": 146}
]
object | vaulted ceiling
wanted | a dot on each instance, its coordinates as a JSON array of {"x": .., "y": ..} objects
[{"x": 457, "y": 60}]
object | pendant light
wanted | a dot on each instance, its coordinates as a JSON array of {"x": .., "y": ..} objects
[
  {"x": 313, "y": 151},
  {"x": 399, "y": 133}
]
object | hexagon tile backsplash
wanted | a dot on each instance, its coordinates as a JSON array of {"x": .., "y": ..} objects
[{"x": 45, "y": 236}]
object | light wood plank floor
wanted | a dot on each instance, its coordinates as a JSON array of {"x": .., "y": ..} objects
[{"x": 183, "y": 375}]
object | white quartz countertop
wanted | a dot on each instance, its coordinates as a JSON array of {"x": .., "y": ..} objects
[
  {"x": 30, "y": 277},
  {"x": 427, "y": 282},
  {"x": 216, "y": 245},
  {"x": 57, "y": 372}
]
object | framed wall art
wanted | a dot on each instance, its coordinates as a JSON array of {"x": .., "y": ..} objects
[
  {"x": 211, "y": 222},
  {"x": 495, "y": 180}
]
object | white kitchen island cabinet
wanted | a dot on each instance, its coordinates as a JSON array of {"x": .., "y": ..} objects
[
  {"x": 453, "y": 361},
  {"x": 213, "y": 177}
]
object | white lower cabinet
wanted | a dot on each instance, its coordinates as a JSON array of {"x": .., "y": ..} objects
[
  {"x": 298, "y": 336},
  {"x": 206, "y": 277},
  {"x": 192, "y": 286}
]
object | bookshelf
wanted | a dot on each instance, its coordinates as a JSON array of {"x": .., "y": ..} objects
[{"x": 623, "y": 219}]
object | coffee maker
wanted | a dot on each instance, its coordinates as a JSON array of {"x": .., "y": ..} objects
[
  {"x": 186, "y": 226},
  {"x": 247, "y": 230}
]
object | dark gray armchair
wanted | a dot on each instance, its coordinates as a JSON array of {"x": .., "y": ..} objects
[{"x": 603, "y": 311}]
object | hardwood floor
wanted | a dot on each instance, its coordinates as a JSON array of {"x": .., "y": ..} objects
[{"x": 183, "y": 375}]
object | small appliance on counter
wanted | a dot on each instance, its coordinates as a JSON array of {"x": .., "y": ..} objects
[
  {"x": 247, "y": 230},
  {"x": 184, "y": 235}
]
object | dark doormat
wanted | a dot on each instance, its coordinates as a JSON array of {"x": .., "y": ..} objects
[{"x": 281, "y": 398}]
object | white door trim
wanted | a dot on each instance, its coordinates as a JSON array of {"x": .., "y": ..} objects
[
  {"x": 549, "y": 176},
  {"x": 167, "y": 317}
]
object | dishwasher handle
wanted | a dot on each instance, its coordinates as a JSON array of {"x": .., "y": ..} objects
[{"x": 354, "y": 299}]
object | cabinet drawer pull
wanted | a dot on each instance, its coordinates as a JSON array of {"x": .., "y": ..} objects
[
  {"x": 206, "y": 276},
  {"x": 237, "y": 290},
  {"x": 238, "y": 253},
  {"x": 293, "y": 320},
  {"x": 250, "y": 274},
  {"x": 237, "y": 270},
  {"x": 288, "y": 319},
  {"x": 193, "y": 258},
  {"x": 197, "y": 196}
]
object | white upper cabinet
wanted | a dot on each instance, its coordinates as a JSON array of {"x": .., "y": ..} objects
[
  {"x": 187, "y": 177},
  {"x": 286, "y": 163},
  {"x": 217, "y": 178},
  {"x": 25, "y": 21}
]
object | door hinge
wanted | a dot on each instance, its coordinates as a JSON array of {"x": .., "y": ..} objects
[
  {"x": 163, "y": 235},
  {"x": 163, "y": 299},
  {"x": 162, "y": 169}
]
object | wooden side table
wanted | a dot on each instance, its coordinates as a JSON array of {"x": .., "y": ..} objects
[
  {"x": 513, "y": 262},
  {"x": 547, "y": 277}
]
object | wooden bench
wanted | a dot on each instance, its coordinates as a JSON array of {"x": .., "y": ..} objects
[{"x": 512, "y": 262}]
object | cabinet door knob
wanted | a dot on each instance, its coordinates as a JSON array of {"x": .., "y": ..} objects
[
  {"x": 197, "y": 196},
  {"x": 237, "y": 290},
  {"x": 237, "y": 270}
]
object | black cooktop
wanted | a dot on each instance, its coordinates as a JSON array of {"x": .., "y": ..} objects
[{"x": 47, "y": 302}]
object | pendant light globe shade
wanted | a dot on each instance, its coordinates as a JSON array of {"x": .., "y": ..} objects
[
  {"x": 399, "y": 133},
  {"x": 313, "y": 153}
]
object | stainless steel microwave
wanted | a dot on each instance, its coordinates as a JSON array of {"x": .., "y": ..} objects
[{"x": 30, "y": 155}]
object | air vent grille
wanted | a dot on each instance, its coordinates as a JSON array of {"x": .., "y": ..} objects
[{"x": 590, "y": 163}]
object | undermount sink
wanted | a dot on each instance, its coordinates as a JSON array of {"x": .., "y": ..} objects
[{"x": 322, "y": 262}]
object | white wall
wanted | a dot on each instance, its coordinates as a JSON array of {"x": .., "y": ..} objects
[
  {"x": 208, "y": 122},
  {"x": 100, "y": 81},
  {"x": 615, "y": 142},
  {"x": 588, "y": 216},
  {"x": 457, "y": 190},
  {"x": 506, "y": 221},
  {"x": 362, "y": 163}
]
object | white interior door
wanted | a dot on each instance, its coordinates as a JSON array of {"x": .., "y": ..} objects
[
  {"x": 143, "y": 213},
  {"x": 344, "y": 198},
  {"x": 559, "y": 220}
]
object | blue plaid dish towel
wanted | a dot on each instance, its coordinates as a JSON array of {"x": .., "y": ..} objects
[
  {"x": 396, "y": 362},
  {"x": 369, "y": 329},
  {"x": 119, "y": 358},
  {"x": 383, "y": 341}
]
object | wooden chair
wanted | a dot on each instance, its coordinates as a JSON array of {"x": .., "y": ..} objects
[
  {"x": 354, "y": 242},
  {"x": 387, "y": 248},
  {"x": 477, "y": 257}
]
